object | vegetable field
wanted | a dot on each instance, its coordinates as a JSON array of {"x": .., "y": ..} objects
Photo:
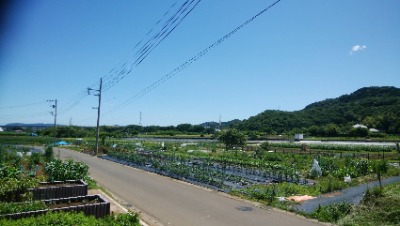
[{"x": 251, "y": 172}]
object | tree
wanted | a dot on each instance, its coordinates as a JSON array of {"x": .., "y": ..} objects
[
  {"x": 232, "y": 138},
  {"x": 184, "y": 127},
  {"x": 359, "y": 132},
  {"x": 331, "y": 130}
]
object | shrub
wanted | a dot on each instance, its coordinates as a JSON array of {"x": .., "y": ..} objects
[
  {"x": 16, "y": 207},
  {"x": 34, "y": 159},
  {"x": 372, "y": 194},
  {"x": 16, "y": 190},
  {"x": 332, "y": 213},
  {"x": 379, "y": 207},
  {"x": 48, "y": 154},
  {"x": 330, "y": 183},
  {"x": 58, "y": 170}
]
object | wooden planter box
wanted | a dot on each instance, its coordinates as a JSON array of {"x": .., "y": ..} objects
[
  {"x": 60, "y": 189},
  {"x": 93, "y": 205}
]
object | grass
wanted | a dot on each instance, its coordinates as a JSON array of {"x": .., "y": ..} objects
[
  {"x": 73, "y": 218},
  {"x": 379, "y": 207}
]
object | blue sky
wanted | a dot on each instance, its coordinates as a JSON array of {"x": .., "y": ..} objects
[{"x": 296, "y": 53}]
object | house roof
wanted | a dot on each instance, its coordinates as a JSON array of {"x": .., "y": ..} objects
[{"x": 360, "y": 126}]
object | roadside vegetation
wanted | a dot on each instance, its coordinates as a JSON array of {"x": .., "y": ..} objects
[
  {"x": 21, "y": 169},
  {"x": 61, "y": 218},
  {"x": 380, "y": 206}
]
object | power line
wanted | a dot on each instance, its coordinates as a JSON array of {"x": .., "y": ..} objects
[
  {"x": 115, "y": 75},
  {"x": 26, "y": 115},
  {"x": 192, "y": 60},
  {"x": 31, "y": 115},
  {"x": 114, "y": 69},
  {"x": 169, "y": 26},
  {"x": 22, "y": 105}
]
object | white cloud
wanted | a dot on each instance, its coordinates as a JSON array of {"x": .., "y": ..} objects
[{"x": 357, "y": 48}]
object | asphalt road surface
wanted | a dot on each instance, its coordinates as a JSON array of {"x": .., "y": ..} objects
[{"x": 170, "y": 202}]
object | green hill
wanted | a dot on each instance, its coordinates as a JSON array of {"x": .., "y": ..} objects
[{"x": 375, "y": 107}]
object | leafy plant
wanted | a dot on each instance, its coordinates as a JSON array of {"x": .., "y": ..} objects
[
  {"x": 58, "y": 170},
  {"x": 13, "y": 207},
  {"x": 48, "y": 154},
  {"x": 330, "y": 183},
  {"x": 332, "y": 213},
  {"x": 16, "y": 189},
  {"x": 72, "y": 218}
]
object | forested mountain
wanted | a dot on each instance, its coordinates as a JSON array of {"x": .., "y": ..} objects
[
  {"x": 375, "y": 107},
  {"x": 216, "y": 125}
]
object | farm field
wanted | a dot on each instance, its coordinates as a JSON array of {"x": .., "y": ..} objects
[
  {"x": 269, "y": 173},
  {"x": 235, "y": 170}
]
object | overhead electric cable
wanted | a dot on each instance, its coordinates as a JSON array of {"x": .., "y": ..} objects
[
  {"x": 193, "y": 59},
  {"x": 22, "y": 105},
  {"x": 83, "y": 94},
  {"x": 115, "y": 75},
  {"x": 115, "y": 69},
  {"x": 153, "y": 42},
  {"x": 170, "y": 25},
  {"x": 28, "y": 115}
]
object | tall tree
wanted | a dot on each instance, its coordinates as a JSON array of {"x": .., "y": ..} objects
[{"x": 232, "y": 138}]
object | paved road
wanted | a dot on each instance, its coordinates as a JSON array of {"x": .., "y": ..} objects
[{"x": 174, "y": 203}]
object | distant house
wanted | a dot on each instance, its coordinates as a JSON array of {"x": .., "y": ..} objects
[
  {"x": 373, "y": 130},
  {"x": 1, "y": 129},
  {"x": 360, "y": 126},
  {"x": 298, "y": 137}
]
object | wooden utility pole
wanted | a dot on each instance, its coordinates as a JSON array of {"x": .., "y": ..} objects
[
  {"x": 98, "y": 113},
  {"x": 54, "y": 114},
  {"x": 98, "y": 118}
]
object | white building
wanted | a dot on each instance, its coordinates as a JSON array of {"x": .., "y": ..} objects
[
  {"x": 373, "y": 130},
  {"x": 299, "y": 136},
  {"x": 360, "y": 126}
]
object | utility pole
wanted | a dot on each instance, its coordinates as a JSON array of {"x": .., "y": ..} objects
[
  {"x": 98, "y": 112},
  {"x": 54, "y": 114}
]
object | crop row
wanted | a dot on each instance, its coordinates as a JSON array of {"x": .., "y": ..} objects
[{"x": 220, "y": 173}]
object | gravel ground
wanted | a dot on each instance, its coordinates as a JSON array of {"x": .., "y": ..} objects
[{"x": 350, "y": 195}]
